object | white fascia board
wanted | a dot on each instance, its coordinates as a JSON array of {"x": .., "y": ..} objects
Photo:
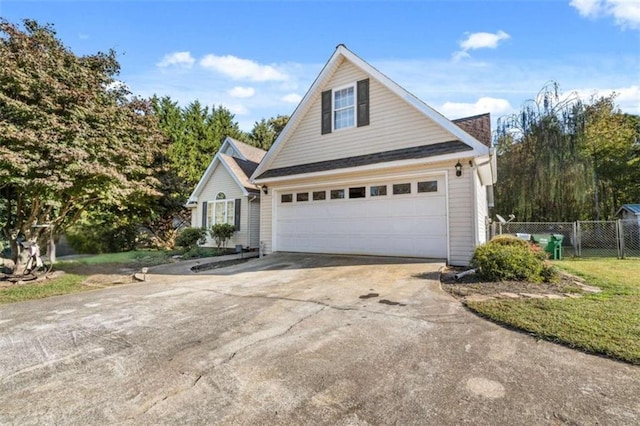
[
  {"x": 203, "y": 180},
  {"x": 230, "y": 141},
  {"x": 478, "y": 147},
  {"x": 370, "y": 167},
  {"x": 487, "y": 168},
  {"x": 417, "y": 103},
  {"x": 235, "y": 178},
  {"x": 208, "y": 172},
  {"x": 299, "y": 112}
]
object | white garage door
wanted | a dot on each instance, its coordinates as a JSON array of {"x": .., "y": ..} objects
[{"x": 394, "y": 218}]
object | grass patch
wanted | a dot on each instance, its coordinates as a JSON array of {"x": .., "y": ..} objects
[
  {"x": 135, "y": 257},
  {"x": 607, "y": 323},
  {"x": 65, "y": 284}
]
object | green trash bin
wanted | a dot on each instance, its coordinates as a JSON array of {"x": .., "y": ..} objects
[
  {"x": 541, "y": 239},
  {"x": 555, "y": 246},
  {"x": 551, "y": 243}
]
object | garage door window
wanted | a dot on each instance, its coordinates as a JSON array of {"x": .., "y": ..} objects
[
  {"x": 429, "y": 186},
  {"x": 337, "y": 194},
  {"x": 286, "y": 198},
  {"x": 357, "y": 192},
  {"x": 319, "y": 195},
  {"x": 401, "y": 188},
  {"x": 302, "y": 196},
  {"x": 377, "y": 191}
]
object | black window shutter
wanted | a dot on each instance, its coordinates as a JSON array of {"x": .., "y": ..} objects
[
  {"x": 363, "y": 103},
  {"x": 326, "y": 112},
  {"x": 204, "y": 214},
  {"x": 237, "y": 214}
]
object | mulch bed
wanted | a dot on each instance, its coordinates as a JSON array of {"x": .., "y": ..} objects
[{"x": 473, "y": 285}]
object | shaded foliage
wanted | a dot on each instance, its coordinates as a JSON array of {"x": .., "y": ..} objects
[
  {"x": 71, "y": 137},
  {"x": 556, "y": 153},
  {"x": 265, "y": 132}
]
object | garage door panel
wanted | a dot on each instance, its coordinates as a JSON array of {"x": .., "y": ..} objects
[{"x": 396, "y": 225}]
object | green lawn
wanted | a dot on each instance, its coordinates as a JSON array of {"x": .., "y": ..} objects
[
  {"x": 65, "y": 284},
  {"x": 78, "y": 270},
  {"x": 607, "y": 323}
]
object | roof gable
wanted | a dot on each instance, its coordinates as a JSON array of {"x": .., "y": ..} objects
[
  {"x": 341, "y": 55},
  {"x": 239, "y": 168}
]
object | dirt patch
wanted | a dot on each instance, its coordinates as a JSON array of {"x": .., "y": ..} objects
[
  {"x": 217, "y": 265},
  {"x": 472, "y": 285}
]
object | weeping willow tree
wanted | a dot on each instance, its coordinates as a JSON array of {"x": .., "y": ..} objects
[{"x": 544, "y": 172}]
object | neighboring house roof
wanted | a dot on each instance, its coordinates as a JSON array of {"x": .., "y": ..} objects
[
  {"x": 478, "y": 126},
  {"x": 459, "y": 131},
  {"x": 631, "y": 208},
  {"x": 363, "y": 160},
  {"x": 240, "y": 169},
  {"x": 248, "y": 152}
]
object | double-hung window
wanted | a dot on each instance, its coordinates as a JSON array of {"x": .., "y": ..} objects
[
  {"x": 345, "y": 107},
  {"x": 221, "y": 210},
  {"x": 344, "y": 110}
]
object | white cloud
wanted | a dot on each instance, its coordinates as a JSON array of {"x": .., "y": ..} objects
[
  {"x": 242, "y": 69},
  {"x": 479, "y": 40},
  {"x": 241, "y": 92},
  {"x": 177, "y": 58},
  {"x": 238, "y": 109},
  {"x": 627, "y": 98},
  {"x": 483, "y": 40},
  {"x": 625, "y": 12},
  {"x": 496, "y": 106},
  {"x": 292, "y": 98}
]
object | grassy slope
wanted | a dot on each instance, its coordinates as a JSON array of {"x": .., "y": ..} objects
[
  {"x": 606, "y": 323},
  {"x": 78, "y": 271}
]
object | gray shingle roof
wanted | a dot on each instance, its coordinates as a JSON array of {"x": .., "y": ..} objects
[{"x": 423, "y": 151}]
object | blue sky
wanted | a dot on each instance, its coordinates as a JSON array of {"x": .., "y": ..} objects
[{"x": 258, "y": 58}]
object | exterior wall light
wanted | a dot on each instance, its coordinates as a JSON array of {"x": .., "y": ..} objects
[
  {"x": 265, "y": 189},
  {"x": 458, "y": 169}
]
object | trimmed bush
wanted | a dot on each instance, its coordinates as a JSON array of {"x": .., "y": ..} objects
[
  {"x": 189, "y": 238},
  {"x": 507, "y": 258},
  {"x": 221, "y": 232}
]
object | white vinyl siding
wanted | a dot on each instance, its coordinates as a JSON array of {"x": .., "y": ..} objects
[
  {"x": 482, "y": 209},
  {"x": 461, "y": 217},
  {"x": 221, "y": 181},
  {"x": 394, "y": 124}
]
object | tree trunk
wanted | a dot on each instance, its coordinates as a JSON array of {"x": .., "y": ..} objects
[{"x": 51, "y": 249}]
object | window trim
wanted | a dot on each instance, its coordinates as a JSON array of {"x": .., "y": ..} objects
[
  {"x": 221, "y": 199},
  {"x": 353, "y": 106}
]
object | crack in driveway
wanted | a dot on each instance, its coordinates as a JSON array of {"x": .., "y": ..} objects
[{"x": 339, "y": 308}]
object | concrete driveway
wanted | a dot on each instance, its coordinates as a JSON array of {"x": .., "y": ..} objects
[{"x": 293, "y": 339}]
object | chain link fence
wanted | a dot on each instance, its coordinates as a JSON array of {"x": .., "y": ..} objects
[{"x": 614, "y": 238}]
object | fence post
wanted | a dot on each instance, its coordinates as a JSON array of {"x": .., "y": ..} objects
[
  {"x": 574, "y": 226},
  {"x": 620, "y": 237},
  {"x": 579, "y": 239}
]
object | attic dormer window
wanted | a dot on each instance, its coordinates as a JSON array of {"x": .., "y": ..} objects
[
  {"x": 343, "y": 108},
  {"x": 346, "y": 106}
]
